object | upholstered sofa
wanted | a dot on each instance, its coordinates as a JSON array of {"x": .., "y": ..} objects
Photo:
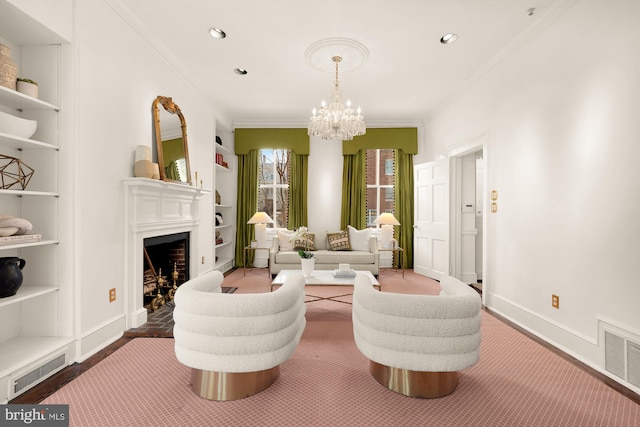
[
  {"x": 416, "y": 344},
  {"x": 362, "y": 253},
  {"x": 234, "y": 343}
]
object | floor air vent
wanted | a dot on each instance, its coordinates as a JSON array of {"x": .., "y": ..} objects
[{"x": 38, "y": 374}]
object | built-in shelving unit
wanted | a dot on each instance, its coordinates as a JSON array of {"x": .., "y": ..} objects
[
  {"x": 225, "y": 183},
  {"x": 37, "y": 338}
]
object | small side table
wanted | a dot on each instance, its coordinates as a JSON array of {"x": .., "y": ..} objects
[
  {"x": 254, "y": 249},
  {"x": 401, "y": 258}
]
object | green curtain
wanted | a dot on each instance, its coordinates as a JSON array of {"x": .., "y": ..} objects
[
  {"x": 294, "y": 139},
  {"x": 354, "y": 196},
  {"x": 405, "y": 139},
  {"x": 247, "y": 201},
  {"x": 404, "y": 203},
  {"x": 298, "y": 178}
]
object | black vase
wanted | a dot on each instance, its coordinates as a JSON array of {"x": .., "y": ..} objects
[{"x": 10, "y": 275}]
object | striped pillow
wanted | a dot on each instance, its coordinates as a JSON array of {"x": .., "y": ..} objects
[
  {"x": 339, "y": 241},
  {"x": 306, "y": 242}
]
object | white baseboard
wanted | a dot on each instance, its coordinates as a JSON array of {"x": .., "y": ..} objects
[{"x": 101, "y": 336}]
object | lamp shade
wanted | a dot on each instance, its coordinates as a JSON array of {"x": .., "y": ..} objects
[
  {"x": 260, "y": 218},
  {"x": 387, "y": 218}
]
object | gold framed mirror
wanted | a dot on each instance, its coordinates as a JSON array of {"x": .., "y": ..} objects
[{"x": 171, "y": 141}]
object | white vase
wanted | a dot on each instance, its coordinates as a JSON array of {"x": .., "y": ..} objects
[
  {"x": 143, "y": 169},
  {"x": 27, "y": 88},
  {"x": 307, "y": 266}
]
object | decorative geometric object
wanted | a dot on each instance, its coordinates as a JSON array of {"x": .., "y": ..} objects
[{"x": 14, "y": 172}]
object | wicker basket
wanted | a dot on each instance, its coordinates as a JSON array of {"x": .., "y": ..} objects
[{"x": 8, "y": 69}]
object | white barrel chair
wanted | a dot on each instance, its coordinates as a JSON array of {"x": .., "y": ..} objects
[
  {"x": 234, "y": 343},
  {"x": 416, "y": 344}
]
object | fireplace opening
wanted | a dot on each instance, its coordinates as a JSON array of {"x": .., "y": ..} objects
[{"x": 166, "y": 261}]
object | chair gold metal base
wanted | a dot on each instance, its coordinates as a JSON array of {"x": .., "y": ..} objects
[
  {"x": 224, "y": 386},
  {"x": 428, "y": 385}
]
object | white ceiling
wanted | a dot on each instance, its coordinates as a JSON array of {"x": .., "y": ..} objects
[{"x": 409, "y": 73}]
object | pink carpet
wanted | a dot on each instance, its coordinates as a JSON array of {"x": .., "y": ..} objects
[{"x": 326, "y": 383}]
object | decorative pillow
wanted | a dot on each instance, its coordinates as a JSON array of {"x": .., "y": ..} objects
[
  {"x": 339, "y": 241},
  {"x": 359, "y": 239},
  {"x": 284, "y": 240},
  {"x": 306, "y": 242}
]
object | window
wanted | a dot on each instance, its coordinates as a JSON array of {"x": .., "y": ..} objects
[
  {"x": 380, "y": 183},
  {"x": 388, "y": 166},
  {"x": 273, "y": 185}
]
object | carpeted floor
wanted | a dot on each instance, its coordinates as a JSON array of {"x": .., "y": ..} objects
[{"x": 326, "y": 382}]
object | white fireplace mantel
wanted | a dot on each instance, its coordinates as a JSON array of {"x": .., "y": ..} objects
[{"x": 155, "y": 208}]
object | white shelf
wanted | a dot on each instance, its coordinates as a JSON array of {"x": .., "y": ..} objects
[
  {"x": 42, "y": 308},
  {"x": 158, "y": 185},
  {"x": 29, "y": 244},
  {"x": 222, "y": 168},
  {"x": 226, "y": 185},
  {"x": 222, "y": 245},
  {"x": 27, "y": 292},
  {"x": 19, "y": 143},
  {"x": 20, "y": 101},
  {"x": 20, "y": 351},
  {"x": 30, "y": 193},
  {"x": 222, "y": 149}
]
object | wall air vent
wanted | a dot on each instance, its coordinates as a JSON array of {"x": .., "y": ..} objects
[
  {"x": 633, "y": 363},
  {"x": 38, "y": 374},
  {"x": 614, "y": 354},
  {"x": 622, "y": 353}
]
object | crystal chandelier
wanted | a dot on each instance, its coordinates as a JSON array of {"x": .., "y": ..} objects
[{"x": 337, "y": 121}]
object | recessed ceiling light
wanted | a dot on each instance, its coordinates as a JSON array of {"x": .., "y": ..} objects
[
  {"x": 448, "y": 38},
  {"x": 217, "y": 33},
  {"x": 240, "y": 71}
]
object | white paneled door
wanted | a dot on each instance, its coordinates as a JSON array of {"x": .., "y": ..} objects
[{"x": 431, "y": 221}]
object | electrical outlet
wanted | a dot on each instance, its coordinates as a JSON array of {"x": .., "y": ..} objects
[
  {"x": 112, "y": 294},
  {"x": 555, "y": 301}
]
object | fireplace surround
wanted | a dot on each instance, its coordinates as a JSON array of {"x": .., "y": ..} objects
[{"x": 155, "y": 208}]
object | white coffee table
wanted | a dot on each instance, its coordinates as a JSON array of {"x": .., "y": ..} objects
[{"x": 324, "y": 277}]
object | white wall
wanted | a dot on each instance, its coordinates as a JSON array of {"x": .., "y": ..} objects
[
  {"x": 562, "y": 116},
  {"x": 325, "y": 185},
  {"x": 117, "y": 77}
]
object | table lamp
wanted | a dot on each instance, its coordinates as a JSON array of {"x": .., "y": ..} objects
[
  {"x": 387, "y": 220},
  {"x": 261, "y": 219}
]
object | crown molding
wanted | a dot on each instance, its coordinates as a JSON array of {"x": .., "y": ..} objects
[{"x": 291, "y": 123}]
